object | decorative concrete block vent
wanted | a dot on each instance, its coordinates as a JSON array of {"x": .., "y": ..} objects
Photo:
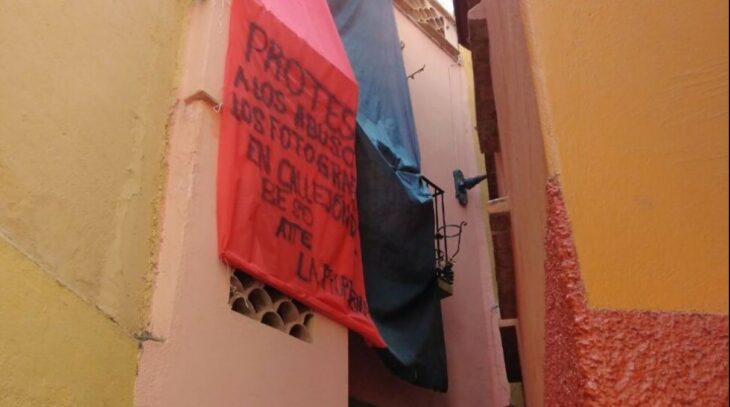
[
  {"x": 269, "y": 306},
  {"x": 424, "y": 13}
]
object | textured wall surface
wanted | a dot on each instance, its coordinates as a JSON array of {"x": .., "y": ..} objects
[
  {"x": 85, "y": 90},
  {"x": 627, "y": 358},
  {"x": 633, "y": 100},
  {"x": 56, "y": 350}
]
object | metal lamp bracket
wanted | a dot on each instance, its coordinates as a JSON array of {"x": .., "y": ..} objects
[{"x": 462, "y": 185}]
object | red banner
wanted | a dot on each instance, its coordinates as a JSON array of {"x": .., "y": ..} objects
[{"x": 287, "y": 209}]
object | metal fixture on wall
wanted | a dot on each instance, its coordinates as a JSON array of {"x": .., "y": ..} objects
[
  {"x": 462, "y": 185},
  {"x": 413, "y": 75},
  {"x": 444, "y": 259}
]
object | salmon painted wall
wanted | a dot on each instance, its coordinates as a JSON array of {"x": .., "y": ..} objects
[
  {"x": 85, "y": 90},
  {"x": 634, "y": 106},
  {"x": 523, "y": 181},
  {"x": 477, "y": 377},
  {"x": 200, "y": 352}
]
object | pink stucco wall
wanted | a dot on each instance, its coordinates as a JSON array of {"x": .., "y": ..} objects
[
  {"x": 474, "y": 355},
  {"x": 199, "y": 352}
]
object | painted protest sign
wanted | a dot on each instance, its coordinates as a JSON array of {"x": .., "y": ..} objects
[{"x": 287, "y": 211}]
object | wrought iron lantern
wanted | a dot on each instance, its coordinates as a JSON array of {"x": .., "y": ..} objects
[{"x": 444, "y": 258}]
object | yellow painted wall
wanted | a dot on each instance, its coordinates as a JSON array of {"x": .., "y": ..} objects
[
  {"x": 56, "y": 350},
  {"x": 85, "y": 91},
  {"x": 633, "y": 98}
]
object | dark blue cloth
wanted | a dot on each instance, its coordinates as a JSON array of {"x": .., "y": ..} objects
[
  {"x": 395, "y": 206},
  {"x": 368, "y": 30}
]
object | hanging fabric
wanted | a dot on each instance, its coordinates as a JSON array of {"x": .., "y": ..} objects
[
  {"x": 395, "y": 206},
  {"x": 287, "y": 211}
]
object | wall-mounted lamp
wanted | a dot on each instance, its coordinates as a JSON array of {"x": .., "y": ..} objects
[{"x": 462, "y": 185}]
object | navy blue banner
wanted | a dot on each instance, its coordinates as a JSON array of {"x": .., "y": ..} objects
[{"x": 395, "y": 207}]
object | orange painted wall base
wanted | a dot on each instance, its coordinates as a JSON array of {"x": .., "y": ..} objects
[{"x": 627, "y": 358}]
